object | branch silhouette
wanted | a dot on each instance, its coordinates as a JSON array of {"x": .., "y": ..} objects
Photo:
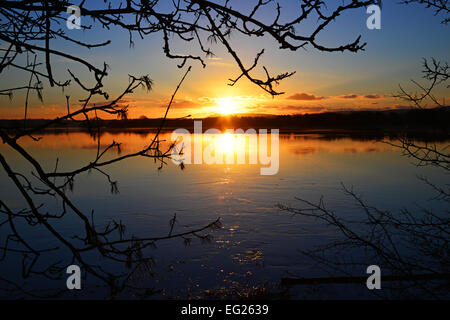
[
  {"x": 412, "y": 247},
  {"x": 28, "y": 33}
]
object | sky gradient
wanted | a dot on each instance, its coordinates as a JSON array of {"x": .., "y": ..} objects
[{"x": 323, "y": 81}]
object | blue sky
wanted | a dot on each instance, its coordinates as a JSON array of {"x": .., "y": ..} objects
[{"x": 393, "y": 56}]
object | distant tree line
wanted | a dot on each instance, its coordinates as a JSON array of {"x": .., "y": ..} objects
[{"x": 414, "y": 120}]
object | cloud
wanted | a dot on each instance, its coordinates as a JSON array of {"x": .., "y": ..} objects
[
  {"x": 348, "y": 96},
  {"x": 205, "y": 100},
  {"x": 372, "y": 96},
  {"x": 305, "y": 96},
  {"x": 355, "y": 96},
  {"x": 220, "y": 64},
  {"x": 181, "y": 104},
  {"x": 302, "y": 108}
]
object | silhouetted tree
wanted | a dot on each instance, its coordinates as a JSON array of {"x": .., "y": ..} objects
[
  {"x": 436, "y": 74},
  {"x": 28, "y": 31},
  {"x": 411, "y": 247},
  {"x": 440, "y": 7}
]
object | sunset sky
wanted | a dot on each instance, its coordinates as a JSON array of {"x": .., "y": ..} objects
[{"x": 324, "y": 81}]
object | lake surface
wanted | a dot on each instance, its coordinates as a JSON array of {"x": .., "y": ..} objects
[{"x": 258, "y": 244}]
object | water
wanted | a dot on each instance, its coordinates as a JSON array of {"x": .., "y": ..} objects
[{"x": 258, "y": 243}]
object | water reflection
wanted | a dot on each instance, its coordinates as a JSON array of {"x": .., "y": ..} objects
[{"x": 257, "y": 244}]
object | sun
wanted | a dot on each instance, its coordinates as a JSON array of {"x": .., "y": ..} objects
[
  {"x": 227, "y": 142},
  {"x": 227, "y": 105}
]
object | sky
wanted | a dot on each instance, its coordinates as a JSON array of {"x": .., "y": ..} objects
[{"x": 323, "y": 81}]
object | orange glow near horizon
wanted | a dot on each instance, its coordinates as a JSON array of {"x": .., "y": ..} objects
[
  {"x": 227, "y": 105},
  {"x": 220, "y": 103}
]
